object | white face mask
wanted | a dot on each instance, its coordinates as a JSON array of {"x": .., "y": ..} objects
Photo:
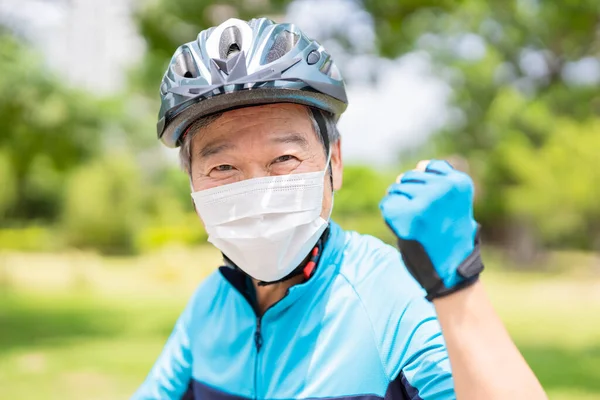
[{"x": 266, "y": 226}]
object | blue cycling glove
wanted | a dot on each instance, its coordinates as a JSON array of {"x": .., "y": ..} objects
[{"x": 431, "y": 213}]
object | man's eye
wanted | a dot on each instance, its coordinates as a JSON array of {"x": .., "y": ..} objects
[
  {"x": 223, "y": 168},
  {"x": 285, "y": 158}
]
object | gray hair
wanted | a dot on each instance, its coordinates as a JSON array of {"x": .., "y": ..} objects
[{"x": 185, "y": 151}]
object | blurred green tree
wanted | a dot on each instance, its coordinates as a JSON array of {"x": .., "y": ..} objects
[
  {"x": 8, "y": 185},
  {"x": 363, "y": 189},
  {"x": 102, "y": 205},
  {"x": 558, "y": 184},
  {"x": 518, "y": 69},
  {"x": 47, "y": 130}
]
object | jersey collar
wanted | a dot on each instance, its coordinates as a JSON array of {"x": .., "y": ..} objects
[{"x": 327, "y": 267}]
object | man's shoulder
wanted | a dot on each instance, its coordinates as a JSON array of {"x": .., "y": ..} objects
[
  {"x": 208, "y": 291},
  {"x": 377, "y": 275},
  {"x": 393, "y": 301},
  {"x": 376, "y": 271}
]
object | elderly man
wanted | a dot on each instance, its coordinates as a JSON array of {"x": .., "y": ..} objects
[{"x": 303, "y": 309}]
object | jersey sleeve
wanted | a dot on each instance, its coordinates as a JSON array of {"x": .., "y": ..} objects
[
  {"x": 407, "y": 333},
  {"x": 415, "y": 354},
  {"x": 170, "y": 376}
]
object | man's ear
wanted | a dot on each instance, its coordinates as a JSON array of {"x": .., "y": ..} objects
[{"x": 337, "y": 167}]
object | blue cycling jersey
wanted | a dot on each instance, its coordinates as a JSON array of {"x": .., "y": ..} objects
[{"x": 359, "y": 328}]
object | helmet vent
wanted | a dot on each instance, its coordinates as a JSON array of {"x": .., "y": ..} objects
[
  {"x": 284, "y": 42},
  {"x": 230, "y": 42},
  {"x": 184, "y": 65},
  {"x": 233, "y": 48}
]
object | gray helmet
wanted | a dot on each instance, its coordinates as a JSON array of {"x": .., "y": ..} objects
[{"x": 238, "y": 64}]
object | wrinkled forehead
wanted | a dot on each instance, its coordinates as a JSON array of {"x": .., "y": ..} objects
[{"x": 273, "y": 123}]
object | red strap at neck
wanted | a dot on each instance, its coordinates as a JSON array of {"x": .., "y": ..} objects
[{"x": 309, "y": 268}]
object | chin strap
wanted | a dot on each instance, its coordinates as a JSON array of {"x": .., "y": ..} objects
[{"x": 306, "y": 268}]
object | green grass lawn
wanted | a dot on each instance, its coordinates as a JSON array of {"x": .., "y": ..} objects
[{"x": 79, "y": 326}]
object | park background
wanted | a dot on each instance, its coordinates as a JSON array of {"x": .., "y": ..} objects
[{"x": 99, "y": 244}]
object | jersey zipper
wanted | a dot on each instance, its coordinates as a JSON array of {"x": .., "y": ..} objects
[
  {"x": 258, "y": 340},
  {"x": 258, "y": 343}
]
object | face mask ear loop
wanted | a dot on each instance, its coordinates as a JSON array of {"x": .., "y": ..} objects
[
  {"x": 331, "y": 209},
  {"x": 192, "y": 189},
  {"x": 328, "y": 167}
]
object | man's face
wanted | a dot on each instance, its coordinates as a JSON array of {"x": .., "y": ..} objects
[{"x": 253, "y": 142}]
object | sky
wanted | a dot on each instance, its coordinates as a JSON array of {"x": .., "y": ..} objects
[{"x": 92, "y": 44}]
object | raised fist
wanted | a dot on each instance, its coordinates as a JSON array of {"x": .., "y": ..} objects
[{"x": 430, "y": 209}]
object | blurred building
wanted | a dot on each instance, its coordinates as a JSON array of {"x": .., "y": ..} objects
[{"x": 91, "y": 43}]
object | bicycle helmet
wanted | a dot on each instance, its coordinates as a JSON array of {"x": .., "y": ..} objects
[{"x": 239, "y": 64}]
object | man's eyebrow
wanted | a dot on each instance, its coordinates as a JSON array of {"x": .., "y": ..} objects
[
  {"x": 294, "y": 138},
  {"x": 212, "y": 149}
]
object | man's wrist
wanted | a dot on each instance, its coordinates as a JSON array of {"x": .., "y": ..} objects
[
  {"x": 461, "y": 296},
  {"x": 456, "y": 288}
]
